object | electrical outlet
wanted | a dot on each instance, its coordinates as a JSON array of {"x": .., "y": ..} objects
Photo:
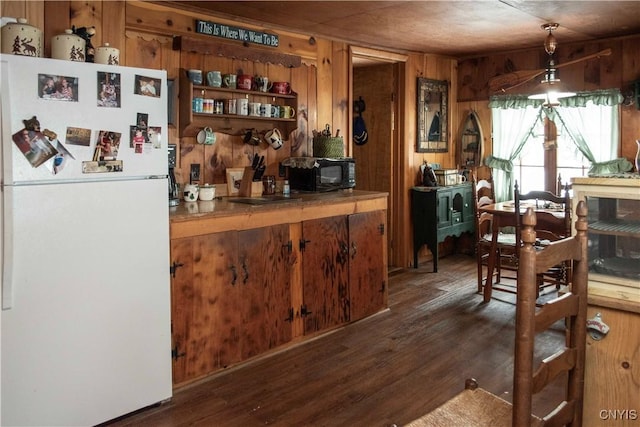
[{"x": 195, "y": 172}]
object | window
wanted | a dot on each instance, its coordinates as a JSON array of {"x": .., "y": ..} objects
[
  {"x": 529, "y": 168},
  {"x": 584, "y": 129}
]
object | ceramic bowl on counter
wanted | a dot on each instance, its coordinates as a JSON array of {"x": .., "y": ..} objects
[{"x": 207, "y": 192}]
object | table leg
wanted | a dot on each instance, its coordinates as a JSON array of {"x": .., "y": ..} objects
[{"x": 492, "y": 260}]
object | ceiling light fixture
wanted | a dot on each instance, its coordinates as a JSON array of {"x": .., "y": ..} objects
[{"x": 551, "y": 89}]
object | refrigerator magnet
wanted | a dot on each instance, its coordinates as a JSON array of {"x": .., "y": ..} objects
[
  {"x": 34, "y": 146},
  {"x": 108, "y": 89},
  {"x": 107, "y": 146},
  {"x": 59, "y": 161}
]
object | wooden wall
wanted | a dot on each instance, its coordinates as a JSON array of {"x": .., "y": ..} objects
[{"x": 143, "y": 32}]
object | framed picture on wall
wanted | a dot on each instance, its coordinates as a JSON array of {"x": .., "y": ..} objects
[{"x": 432, "y": 126}]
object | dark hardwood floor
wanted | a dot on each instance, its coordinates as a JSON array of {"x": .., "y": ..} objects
[{"x": 388, "y": 369}]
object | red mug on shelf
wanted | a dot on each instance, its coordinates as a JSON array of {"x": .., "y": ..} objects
[
  {"x": 245, "y": 82},
  {"x": 282, "y": 88}
]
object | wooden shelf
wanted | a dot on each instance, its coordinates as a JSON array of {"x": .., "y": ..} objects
[
  {"x": 190, "y": 122},
  {"x": 241, "y": 92},
  {"x": 616, "y": 227},
  {"x": 470, "y": 142}
]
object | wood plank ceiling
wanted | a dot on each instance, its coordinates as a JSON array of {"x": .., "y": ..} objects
[{"x": 460, "y": 29}]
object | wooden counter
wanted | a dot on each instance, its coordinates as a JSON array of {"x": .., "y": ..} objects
[
  {"x": 248, "y": 279},
  {"x": 197, "y": 218}
]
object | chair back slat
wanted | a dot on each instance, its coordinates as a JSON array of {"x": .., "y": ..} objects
[
  {"x": 552, "y": 366},
  {"x": 549, "y": 226},
  {"x": 562, "y": 415},
  {"x": 557, "y": 309},
  {"x": 555, "y": 252}
]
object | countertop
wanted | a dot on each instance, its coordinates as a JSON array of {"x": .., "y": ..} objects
[{"x": 221, "y": 214}]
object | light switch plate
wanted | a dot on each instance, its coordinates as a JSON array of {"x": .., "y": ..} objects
[{"x": 195, "y": 172}]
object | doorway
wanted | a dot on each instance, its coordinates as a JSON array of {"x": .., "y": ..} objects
[{"x": 375, "y": 78}]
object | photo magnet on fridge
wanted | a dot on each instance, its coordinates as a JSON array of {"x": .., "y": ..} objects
[
  {"x": 147, "y": 86},
  {"x": 107, "y": 145},
  {"x": 78, "y": 136},
  {"x": 108, "y": 89},
  {"x": 60, "y": 88},
  {"x": 35, "y": 146}
]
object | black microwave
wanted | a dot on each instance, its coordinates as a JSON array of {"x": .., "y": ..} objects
[{"x": 320, "y": 173}]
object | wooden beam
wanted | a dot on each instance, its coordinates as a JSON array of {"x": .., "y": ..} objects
[{"x": 235, "y": 51}]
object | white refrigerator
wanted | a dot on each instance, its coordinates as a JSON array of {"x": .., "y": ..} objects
[{"x": 86, "y": 325}]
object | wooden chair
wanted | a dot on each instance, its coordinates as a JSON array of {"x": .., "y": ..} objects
[
  {"x": 484, "y": 191},
  {"x": 484, "y": 195},
  {"x": 549, "y": 227},
  {"x": 477, "y": 407}
]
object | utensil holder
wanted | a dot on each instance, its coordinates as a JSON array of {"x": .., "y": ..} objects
[{"x": 249, "y": 187}]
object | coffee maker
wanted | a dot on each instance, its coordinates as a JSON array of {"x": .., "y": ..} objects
[{"x": 174, "y": 198}]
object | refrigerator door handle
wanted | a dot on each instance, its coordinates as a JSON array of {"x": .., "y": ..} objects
[{"x": 7, "y": 248}]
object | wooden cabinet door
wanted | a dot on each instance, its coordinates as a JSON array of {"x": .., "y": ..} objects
[
  {"x": 325, "y": 271},
  {"x": 217, "y": 301},
  {"x": 443, "y": 208},
  {"x": 468, "y": 211},
  {"x": 612, "y": 371},
  {"x": 206, "y": 304},
  {"x": 367, "y": 264},
  {"x": 263, "y": 259},
  {"x": 181, "y": 295}
]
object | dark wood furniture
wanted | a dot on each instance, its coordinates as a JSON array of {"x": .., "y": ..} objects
[
  {"x": 440, "y": 212},
  {"x": 475, "y": 406}
]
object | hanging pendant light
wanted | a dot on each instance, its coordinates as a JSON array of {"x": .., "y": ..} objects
[{"x": 550, "y": 89}]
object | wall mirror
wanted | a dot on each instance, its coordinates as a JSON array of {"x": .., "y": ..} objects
[{"x": 432, "y": 116}]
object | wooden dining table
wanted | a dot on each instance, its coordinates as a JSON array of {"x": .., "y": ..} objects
[{"x": 504, "y": 216}]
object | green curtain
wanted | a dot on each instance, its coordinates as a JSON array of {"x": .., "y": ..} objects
[
  {"x": 567, "y": 114},
  {"x": 514, "y": 118},
  {"x": 572, "y": 115}
]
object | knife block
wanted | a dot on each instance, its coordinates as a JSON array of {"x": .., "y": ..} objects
[{"x": 249, "y": 187}]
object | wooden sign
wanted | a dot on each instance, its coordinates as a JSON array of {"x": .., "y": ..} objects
[{"x": 236, "y": 33}]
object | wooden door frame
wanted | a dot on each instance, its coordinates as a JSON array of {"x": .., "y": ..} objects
[{"x": 394, "y": 201}]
